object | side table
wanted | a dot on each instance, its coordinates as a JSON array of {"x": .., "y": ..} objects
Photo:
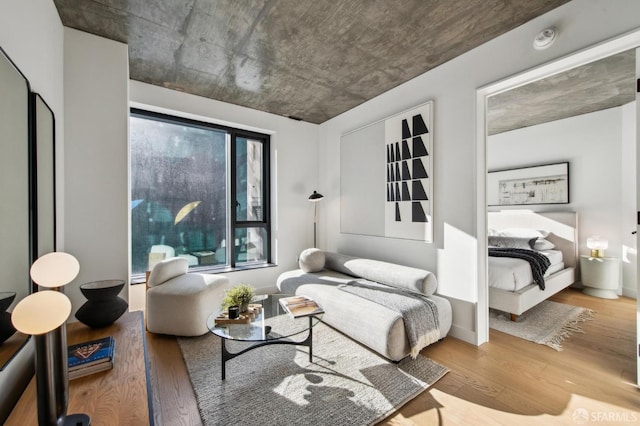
[
  {"x": 600, "y": 276},
  {"x": 120, "y": 396}
]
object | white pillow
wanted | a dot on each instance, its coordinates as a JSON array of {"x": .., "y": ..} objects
[
  {"x": 311, "y": 260},
  {"x": 523, "y": 233},
  {"x": 512, "y": 242},
  {"x": 542, "y": 244},
  {"x": 167, "y": 269}
]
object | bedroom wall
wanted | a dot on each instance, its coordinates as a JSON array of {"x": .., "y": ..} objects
[
  {"x": 31, "y": 34},
  {"x": 452, "y": 86},
  {"x": 593, "y": 146}
]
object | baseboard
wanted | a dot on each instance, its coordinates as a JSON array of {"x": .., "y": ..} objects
[
  {"x": 630, "y": 292},
  {"x": 463, "y": 334}
]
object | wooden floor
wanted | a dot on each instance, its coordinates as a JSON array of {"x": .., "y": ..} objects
[{"x": 507, "y": 381}]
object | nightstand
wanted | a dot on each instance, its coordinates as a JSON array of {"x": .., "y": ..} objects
[{"x": 600, "y": 276}]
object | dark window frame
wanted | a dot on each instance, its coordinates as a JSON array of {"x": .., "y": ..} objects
[{"x": 234, "y": 223}]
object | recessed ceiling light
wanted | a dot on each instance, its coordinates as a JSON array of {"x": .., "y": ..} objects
[{"x": 545, "y": 38}]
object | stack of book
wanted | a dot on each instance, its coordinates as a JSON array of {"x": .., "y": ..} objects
[
  {"x": 300, "y": 306},
  {"x": 91, "y": 357}
]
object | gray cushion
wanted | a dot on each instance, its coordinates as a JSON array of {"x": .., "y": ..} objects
[
  {"x": 512, "y": 242},
  {"x": 543, "y": 244},
  {"x": 415, "y": 279},
  {"x": 312, "y": 260}
]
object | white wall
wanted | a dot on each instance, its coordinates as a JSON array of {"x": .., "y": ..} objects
[
  {"x": 593, "y": 146},
  {"x": 294, "y": 169},
  {"x": 628, "y": 219},
  {"x": 453, "y": 87},
  {"x": 31, "y": 34},
  {"x": 96, "y": 77},
  {"x": 92, "y": 172}
]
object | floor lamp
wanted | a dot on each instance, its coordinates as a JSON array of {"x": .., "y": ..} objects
[
  {"x": 315, "y": 198},
  {"x": 43, "y": 314}
]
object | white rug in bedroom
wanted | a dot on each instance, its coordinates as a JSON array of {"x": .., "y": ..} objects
[{"x": 548, "y": 323}]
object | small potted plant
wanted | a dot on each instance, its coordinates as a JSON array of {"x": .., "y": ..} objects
[{"x": 240, "y": 296}]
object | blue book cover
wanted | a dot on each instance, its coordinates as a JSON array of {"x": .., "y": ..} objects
[{"x": 92, "y": 352}]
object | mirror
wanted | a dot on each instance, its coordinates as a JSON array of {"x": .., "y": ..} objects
[
  {"x": 44, "y": 221},
  {"x": 15, "y": 233}
]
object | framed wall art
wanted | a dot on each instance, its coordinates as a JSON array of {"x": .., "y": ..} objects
[
  {"x": 386, "y": 179},
  {"x": 409, "y": 161},
  {"x": 543, "y": 184}
]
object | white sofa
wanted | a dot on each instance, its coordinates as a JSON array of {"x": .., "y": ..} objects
[{"x": 378, "y": 327}]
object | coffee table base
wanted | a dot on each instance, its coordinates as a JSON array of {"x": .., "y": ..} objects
[{"x": 226, "y": 355}]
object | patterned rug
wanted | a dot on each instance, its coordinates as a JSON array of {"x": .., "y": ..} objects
[
  {"x": 548, "y": 323},
  {"x": 345, "y": 384}
]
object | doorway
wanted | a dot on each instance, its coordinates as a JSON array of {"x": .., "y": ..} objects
[{"x": 590, "y": 55}]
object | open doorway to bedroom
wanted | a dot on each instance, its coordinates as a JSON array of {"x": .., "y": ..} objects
[{"x": 579, "y": 110}]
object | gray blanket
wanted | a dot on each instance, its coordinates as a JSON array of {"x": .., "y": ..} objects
[{"x": 419, "y": 313}]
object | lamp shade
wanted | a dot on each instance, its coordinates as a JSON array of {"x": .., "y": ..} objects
[
  {"x": 41, "y": 312},
  {"x": 315, "y": 197},
  {"x": 597, "y": 243},
  {"x": 55, "y": 269}
]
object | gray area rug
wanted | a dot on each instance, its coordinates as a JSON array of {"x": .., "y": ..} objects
[
  {"x": 548, "y": 323},
  {"x": 345, "y": 385}
]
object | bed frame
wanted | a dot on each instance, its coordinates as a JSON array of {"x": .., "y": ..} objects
[{"x": 564, "y": 228}]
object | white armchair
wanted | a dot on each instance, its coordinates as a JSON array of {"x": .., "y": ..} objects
[{"x": 178, "y": 302}]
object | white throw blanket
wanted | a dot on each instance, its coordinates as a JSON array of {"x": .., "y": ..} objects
[{"x": 419, "y": 313}]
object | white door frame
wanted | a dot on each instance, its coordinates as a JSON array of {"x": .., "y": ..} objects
[
  {"x": 638, "y": 209},
  {"x": 607, "y": 48}
]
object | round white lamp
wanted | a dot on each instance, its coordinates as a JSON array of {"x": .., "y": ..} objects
[
  {"x": 42, "y": 314},
  {"x": 55, "y": 269},
  {"x": 597, "y": 245}
]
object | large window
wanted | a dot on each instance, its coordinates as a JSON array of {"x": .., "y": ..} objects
[{"x": 198, "y": 191}]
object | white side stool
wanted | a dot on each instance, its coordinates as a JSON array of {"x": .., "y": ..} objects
[{"x": 600, "y": 276}]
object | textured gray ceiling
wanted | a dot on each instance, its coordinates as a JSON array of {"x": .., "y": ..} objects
[
  {"x": 311, "y": 59},
  {"x": 603, "y": 84}
]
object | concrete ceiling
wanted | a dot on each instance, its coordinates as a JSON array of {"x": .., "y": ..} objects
[
  {"x": 607, "y": 83},
  {"x": 307, "y": 59}
]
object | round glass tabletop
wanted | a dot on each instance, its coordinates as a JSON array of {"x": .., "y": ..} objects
[{"x": 271, "y": 322}]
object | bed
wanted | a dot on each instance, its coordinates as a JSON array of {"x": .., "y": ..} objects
[{"x": 511, "y": 285}]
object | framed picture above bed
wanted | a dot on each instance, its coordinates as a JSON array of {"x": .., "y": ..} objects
[{"x": 543, "y": 184}]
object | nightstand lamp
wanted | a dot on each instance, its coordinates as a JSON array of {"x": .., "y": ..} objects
[
  {"x": 597, "y": 245},
  {"x": 600, "y": 274}
]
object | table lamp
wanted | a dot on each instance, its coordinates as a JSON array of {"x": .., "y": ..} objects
[
  {"x": 314, "y": 198},
  {"x": 43, "y": 315},
  {"x": 597, "y": 245}
]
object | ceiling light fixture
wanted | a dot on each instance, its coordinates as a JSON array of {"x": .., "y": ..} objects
[{"x": 545, "y": 38}]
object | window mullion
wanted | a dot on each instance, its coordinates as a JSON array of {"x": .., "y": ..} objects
[{"x": 233, "y": 202}]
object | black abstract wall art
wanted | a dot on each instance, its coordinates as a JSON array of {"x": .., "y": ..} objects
[{"x": 408, "y": 168}]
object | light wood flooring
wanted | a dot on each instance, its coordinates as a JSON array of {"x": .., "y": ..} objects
[{"x": 507, "y": 381}]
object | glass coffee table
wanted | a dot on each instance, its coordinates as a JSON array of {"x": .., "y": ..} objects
[{"x": 271, "y": 326}]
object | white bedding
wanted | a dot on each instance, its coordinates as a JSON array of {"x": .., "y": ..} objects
[{"x": 512, "y": 274}]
